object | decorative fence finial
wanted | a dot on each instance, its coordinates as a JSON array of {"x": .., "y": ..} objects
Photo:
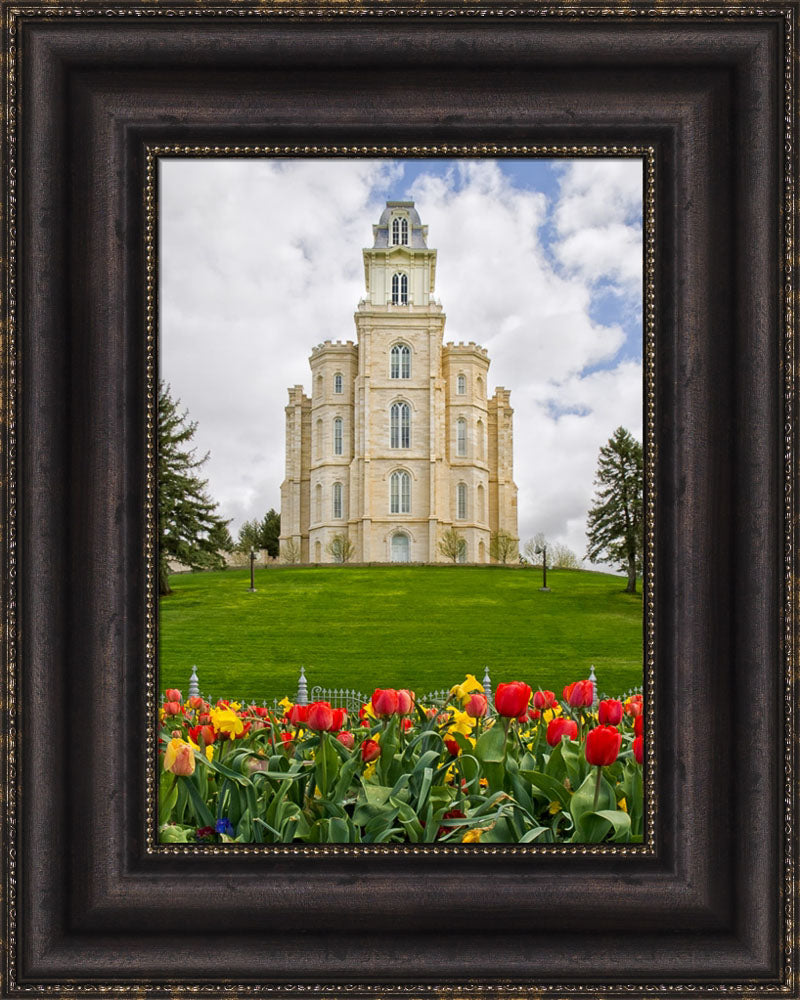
[
  {"x": 593, "y": 679},
  {"x": 194, "y": 684},
  {"x": 487, "y": 685},
  {"x": 302, "y": 688}
]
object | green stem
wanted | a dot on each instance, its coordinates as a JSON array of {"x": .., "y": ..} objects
[{"x": 597, "y": 788}]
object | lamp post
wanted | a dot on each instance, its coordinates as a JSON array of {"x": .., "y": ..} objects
[
  {"x": 252, "y": 587},
  {"x": 543, "y": 549}
]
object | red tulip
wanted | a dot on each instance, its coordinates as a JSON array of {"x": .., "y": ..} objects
[
  {"x": 298, "y": 714},
  {"x": 172, "y": 694},
  {"x": 195, "y": 702},
  {"x": 346, "y": 739},
  {"x": 286, "y": 739},
  {"x": 405, "y": 701},
  {"x": 477, "y": 706},
  {"x": 561, "y": 727},
  {"x": 370, "y": 750},
  {"x": 638, "y": 725},
  {"x": 511, "y": 700},
  {"x": 638, "y": 748},
  {"x": 173, "y": 707},
  {"x": 609, "y": 712},
  {"x": 384, "y": 703},
  {"x": 633, "y": 706},
  {"x": 602, "y": 745},
  {"x": 452, "y": 746},
  {"x": 320, "y": 717},
  {"x": 543, "y": 700},
  {"x": 406, "y": 724},
  {"x": 339, "y": 719},
  {"x": 579, "y": 694},
  {"x": 207, "y": 733}
]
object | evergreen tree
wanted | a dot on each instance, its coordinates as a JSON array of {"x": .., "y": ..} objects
[
  {"x": 270, "y": 532},
  {"x": 249, "y": 537},
  {"x": 615, "y": 523},
  {"x": 189, "y": 528}
]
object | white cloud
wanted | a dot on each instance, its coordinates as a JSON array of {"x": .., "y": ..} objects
[{"x": 261, "y": 260}]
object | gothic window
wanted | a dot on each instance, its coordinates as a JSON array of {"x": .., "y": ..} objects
[
  {"x": 400, "y": 361},
  {"x": 318, "y": 501},
  {"x": 461, "y": 437},
  {"x": 479, "y": 439},
  {"x": 338, "y": 383},
  {"x": 400, "y": 425},
  {"x": 319, "y": 385},
  {"x": 395, "y": 232},
  {"x": 400, "y": 493},
  {"x": 461, "y": 385},
  {"x": 480, "y": 514},
  {"x": 337, "y": 499},
  {"x": 337, "y": 436},
  {"x": 400, "y": 232},
  {"x": 461, "y": 501},
  {"x": 399, "y": 289},
  {"x": 318, "y": 443},
  {"x": 479, "y": 387}
]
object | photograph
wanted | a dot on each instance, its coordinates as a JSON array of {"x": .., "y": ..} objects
[{"x": 400, "y": 500}]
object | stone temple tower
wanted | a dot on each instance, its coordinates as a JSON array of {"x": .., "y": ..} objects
[{"x": 399, "y": 441}]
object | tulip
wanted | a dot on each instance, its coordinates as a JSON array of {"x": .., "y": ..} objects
[
  {"x": 405, "y": 701},
  {"x": 602, "y": 745},
  {"x": 561, "y": 727},
  {"x": 339, "y": 719},
  {"x": 179, "y": 758},
  {"x": 543, "y": 700},
  {"x": 452, "y": 746},
  {"x": 384, "y": 703},
  {"x": 298, "y": 714},
  {"x": 173, "y": 707},
  {"x": 346, "y": 739},
  {"x": 638, "y": 748},
  {"x": 511, "y": 700},
  {"x": 406, "y": 724},
  {"x": 477, "y": 705},
  {"x": 286, "y": 739},
  {"x": 609, "y": 712},
  {"x": 172, "y": 694},
  {"x": 195, "y": 701},
  {"x": 370, "y": 750},
  {"x": 638, "y": 725},
  {"x": 320, "y": 717},
  {"x": 204, "y": 720},
  {"x": 633, "y": 706},
  {"x": 579, "y": 694}
]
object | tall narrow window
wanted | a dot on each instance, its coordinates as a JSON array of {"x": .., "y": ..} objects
[
  {"x": 319, "y": 385},
  {"x": 479, "y": 387},
  {"x": 395, "y": 232},
  {"x": 400, "y": 363},
  {"x": 337, "y": 499},
  {"x": 318, "y": 501},
  {"x": 400, "y": 493},
  {"x": 337, "y": 436},
  {"x": 461, "y": 437},
  {"x": 338, "y": 383},
  {"x": 480, "y": 513},
  {"x": 399, "y": 289},
  {"x": 400, "y": 425},
  {"x": 479, "y": 436},
  {"x": 461, "y": 501},
  {"x": 461, "y": 385},
  {"x": 318, "y": 442},
  {"x": 404, "y": 232},
  {"x": 399, "y": 232}
]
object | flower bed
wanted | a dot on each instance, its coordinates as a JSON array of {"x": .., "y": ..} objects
[{"x": 532, "y": 769}]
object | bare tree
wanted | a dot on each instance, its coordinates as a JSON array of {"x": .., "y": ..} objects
[
  {"x": 291, "y": 551},
  {"x": 451, "y": 544},
  {"x": 502, "y": 546},
  {"x": 562, "y": 557},
  {"x": 340, "y": 548}
]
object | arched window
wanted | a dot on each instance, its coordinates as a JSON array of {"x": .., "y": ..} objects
[
  {"x": 479, "y": 387},
  {"x": 462, "y": 551},
  {"x": 317, "y": 552},
  {"x": 399, "y": 547},
  {"x": 338, "y": 383},
  {"x": 400, "y": 493},
  {"x": 481, "y": 552},
  {"x": 399, "y": 289},
  {"x": 461, "y": 385},
  {"x": 400, "y": 361},
  {"x": 480, "y": 513},
  {"x": 400, "y": 425},
  {"x": 479, "y": 439},
  {"x": 337, "y": 436},
  {"x": 319, "y": 385},
  {"x": 395, "y": 232},
  {"x": 337, "y": 499},
  {"x": 461, "y": 501},
  {"x": 318, "y": 502},
  {"x": 399, "y": 232},
  {"x": 318, "y": 443},
  {"x": 461, "y": 437}
]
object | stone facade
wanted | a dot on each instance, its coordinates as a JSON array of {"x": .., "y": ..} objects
[{"x": 399, "y": 441}]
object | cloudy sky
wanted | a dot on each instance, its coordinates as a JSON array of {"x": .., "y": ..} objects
[{"x": 540, "y": 261}]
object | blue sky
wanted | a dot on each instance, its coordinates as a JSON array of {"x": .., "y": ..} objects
[{"x": 538, "y": 260}]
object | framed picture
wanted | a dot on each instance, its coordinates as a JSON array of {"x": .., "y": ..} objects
[{"x": 100, "y": 103}]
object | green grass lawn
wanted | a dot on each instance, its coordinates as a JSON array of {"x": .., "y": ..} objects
[{"x": 422, "y": 627}]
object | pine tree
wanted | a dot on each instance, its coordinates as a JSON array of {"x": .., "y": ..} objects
[
  {"x": 270, "y": 532},
  {"x": 615, "y": 523},
  {"x": 189, "y": 529}
]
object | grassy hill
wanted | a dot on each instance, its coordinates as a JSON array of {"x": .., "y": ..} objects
[{"x": 422, "y": 627}]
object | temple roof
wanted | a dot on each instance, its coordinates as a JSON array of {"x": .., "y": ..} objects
[{"x": 417, "y": 235}]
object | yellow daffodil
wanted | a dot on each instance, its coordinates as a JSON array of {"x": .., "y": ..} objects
[
  {"x": 369, "y": 711},
  {"x": 235, "y": 705},
  {"x": 623, "y": 805},
  {"x": 369, "y": 770},
  {"x": 461, "y": 723},
  {"x": 179, "y": 757},
  {"x": 463, "y": 691},
  {"x": 225, "y": 720},
  {"x": 285, "y": 704},
  {"x": 554, "y": 807},
  {"x": 473, "y": 836}
]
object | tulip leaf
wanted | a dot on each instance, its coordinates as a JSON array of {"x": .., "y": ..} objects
[
  {"x": 552, "y": 788},
  {"x": 532, "y": 836},
  {"x": 490, "y": 745},
  {"x": 620, "y": 820},
  {"x": 222, "y": 769},
  {"x": 201, "y": 810},
  {"x": 582, "y": 801}
]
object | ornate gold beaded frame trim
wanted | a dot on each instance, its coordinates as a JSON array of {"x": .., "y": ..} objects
[{"x": 647, "y": 154}]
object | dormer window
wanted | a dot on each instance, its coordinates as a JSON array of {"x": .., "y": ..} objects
[
  {"x": 399, "y": 289},
  {"x": 400, "y": 232}
]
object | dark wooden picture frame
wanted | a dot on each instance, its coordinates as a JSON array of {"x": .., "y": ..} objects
[{"x": 90, "y": 907}]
